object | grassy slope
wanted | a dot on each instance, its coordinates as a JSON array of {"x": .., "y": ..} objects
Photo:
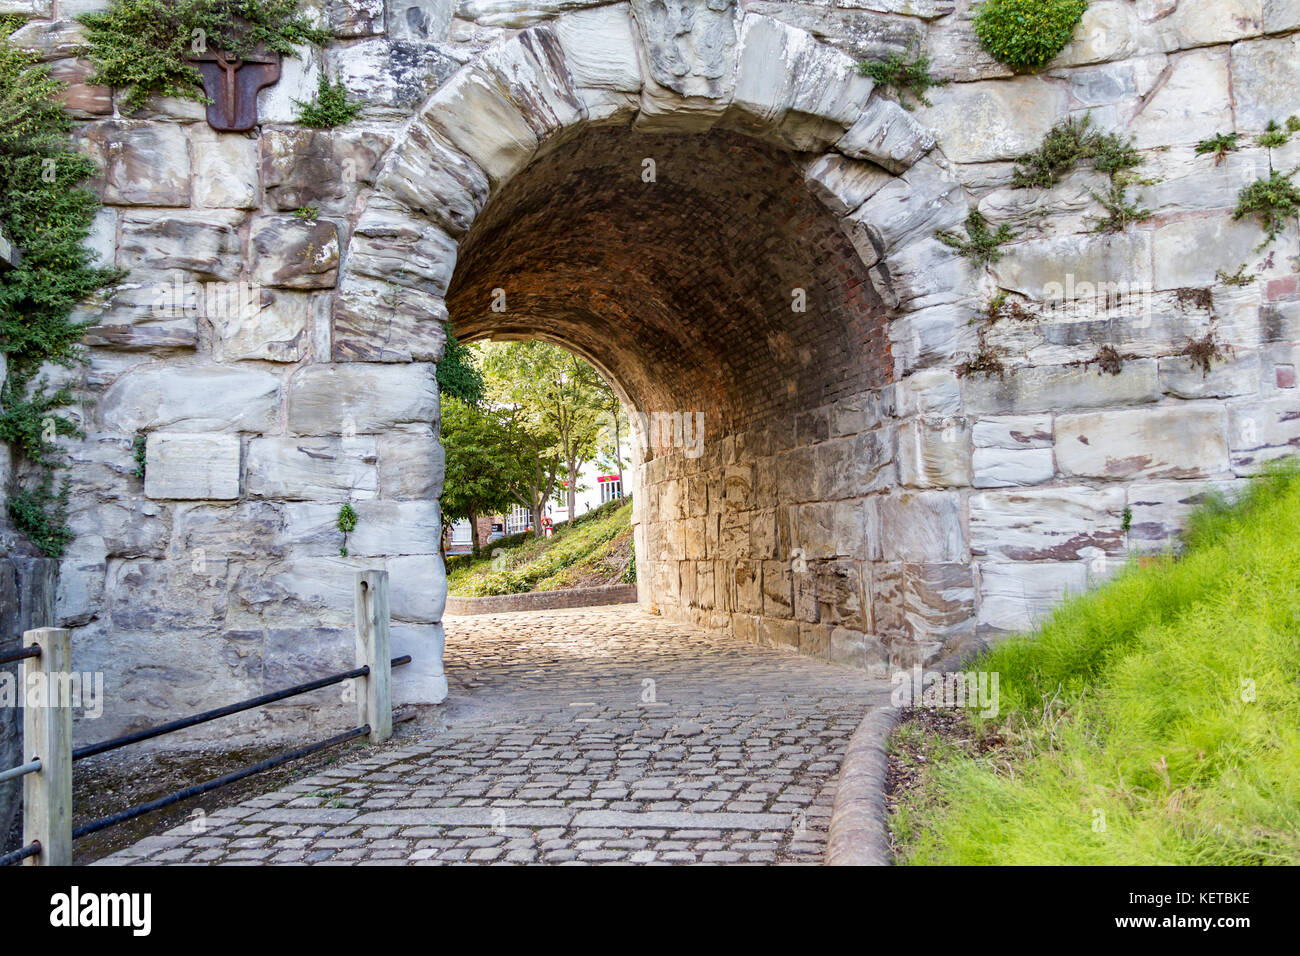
[
  {"x": 595, "y": 549},
  {"x": 1129, "y": 701}
]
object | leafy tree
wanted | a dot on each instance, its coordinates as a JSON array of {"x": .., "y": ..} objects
[
  {"x": 458, "y": 373},
  {"x": 482, "y": 470},
  {"x": 555, "y": 395}
]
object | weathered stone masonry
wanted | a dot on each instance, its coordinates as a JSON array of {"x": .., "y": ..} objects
[{"x": 856, "y": 497}]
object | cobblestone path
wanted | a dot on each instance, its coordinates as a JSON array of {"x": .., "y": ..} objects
[{"x": 600, "y": 735}]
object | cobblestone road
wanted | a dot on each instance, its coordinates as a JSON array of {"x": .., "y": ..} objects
[{"x": 600, "y": 735}]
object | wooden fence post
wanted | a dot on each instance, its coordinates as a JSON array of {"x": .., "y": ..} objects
[
  {"x": 47, "y": 736},
  {"x": 375, "y": 698}
]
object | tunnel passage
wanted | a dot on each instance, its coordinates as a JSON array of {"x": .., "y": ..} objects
[{"x": 722, "y": 291}]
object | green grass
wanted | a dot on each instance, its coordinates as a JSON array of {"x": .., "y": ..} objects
[
  {"x": 1131, "y": 707},
  {"x": 594, "y": 549}
]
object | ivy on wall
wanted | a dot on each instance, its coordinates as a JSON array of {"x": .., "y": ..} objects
[
  {"x": 47, "y": 214},
  {"x": 143, "y": 46}
]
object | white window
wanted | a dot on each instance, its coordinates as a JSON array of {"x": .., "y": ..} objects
[
  {"x": 610, "y": 488},
  {"x": 460, "y": 532},
  {"x": 519, "y": 519}
]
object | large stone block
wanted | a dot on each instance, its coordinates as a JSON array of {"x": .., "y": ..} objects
[
  {"x": 191, "y": 466},
  {"x": 1189, "y": 441},
  {"x": 376, "y": 320},
  {"x": 529, "y": 69},
  {"x": 688, "y": 60},
  {"x": 1013, "y": 432},
  {"x": 393, "y": 75},
  {"x": 1036, "y": 389},
  {"x": 1260, "y": 432},
  {"x": 225, "y": 169},
  {"x": 939, "y": 602},
  {"x": 934, "y": 453},
  {"x": 294, "y": 253},
  {"x": 996, "y": 120},
  {"x": 1193, "y": 103},
  {"x": 201, "y": 397},
  {"x": 1048, "y": 524},
  {"x": 422, "y": 681},
  {"x": 887, "y": 134},
  {"x": 358, "y": 398},
  {"x": 410, "y": 251},
  {"x": 1006, "y": 467},
  {"x": 141, "y": 163},
  {"x": 1159, "y": 510},
  {"x": 248, "y": 531},
  {"x": 428, "y": 175},
  {"x": 1190, "y": 252},
  {"x": 1015, "y": 597},
  {"x": 1266, "y": 80},
  {"x": 332, "y": 469},
  {"x": 923, "y": 527},
  {"x": 275, "y": 329},
  {"x": 473, "y": 114},
  {"x": 810, "y": 101},
  {"x": 383, "y": 528},
  {"x": 324, "y": 168},
  {"x": 1051, "y": 268},
  {"x": 411, "y": 461},
  {"x": 204, "y": 244},
  {"x": 601, "y": 54},
  {"x": 844, "y": 184}
]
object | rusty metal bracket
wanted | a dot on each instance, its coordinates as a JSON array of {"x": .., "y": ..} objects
[{"x": 232, "y": 83}]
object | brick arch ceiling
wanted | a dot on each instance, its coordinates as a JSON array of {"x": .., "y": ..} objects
[{"x": 680, "y": 289}]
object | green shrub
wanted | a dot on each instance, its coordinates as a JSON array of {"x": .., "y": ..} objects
[
  {"x": 330, "y": 107},
  {"x": 47, "y": 216},
  {"x": 1067, "y": 144},
  {"x": 903, "y": 75},
  {"x": 1027, "y": 34},
  {"x": 143, "y": 46},
  {"x": 980, "y": 245},
  {"x": 1273, "y": 201}
]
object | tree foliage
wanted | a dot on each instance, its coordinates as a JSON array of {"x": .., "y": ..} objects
[{"x": 46, "y": 215}]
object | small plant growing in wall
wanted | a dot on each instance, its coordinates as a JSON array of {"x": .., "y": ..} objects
[
  {"x": 1121, "y": 209},
  {"x": 330, "y": 107},
  {"x": 1273, "y": 202},
  {"x": 145, "y": 46},
  {"x": 1219, "y": 145},
  {"x": 979, "y": 245},
  {"x": 138, "y": 445},
  {"x": 347, "y": 523},
  {"x": 1237, "y": 279},
  {"x": 1073, "y": 141},
  {"x": 307, "y": 213},
  {"x": 903, "y": 74},
  {"x": 1027, "y": 34},
  {"x": 1204, "y": 352}
]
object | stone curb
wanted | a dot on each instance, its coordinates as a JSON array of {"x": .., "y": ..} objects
[
  {"x": 858, "y": 829},
  {"x": 541, "y": 600}
]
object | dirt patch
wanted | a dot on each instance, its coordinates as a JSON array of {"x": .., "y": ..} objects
[{"x": 922, "y": 734}]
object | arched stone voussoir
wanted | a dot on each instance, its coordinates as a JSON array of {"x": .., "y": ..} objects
[
  {"x": 887, "y": 134},
  {"x": 377, "y": 320},
  {"x": 687, "y": 52},
  {"x": 428, "y": 175},
  {"x": 601, "y": 53},
  {"x": 794, "y": 89}
]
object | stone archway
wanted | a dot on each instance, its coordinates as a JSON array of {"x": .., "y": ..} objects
[{"x": 787, "y": 527}]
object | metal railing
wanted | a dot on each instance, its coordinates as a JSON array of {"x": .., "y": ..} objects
[{"x": 47, "y": 729}]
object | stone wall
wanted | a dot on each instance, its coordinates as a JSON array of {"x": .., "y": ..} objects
[{"x": 854, "y": 494}]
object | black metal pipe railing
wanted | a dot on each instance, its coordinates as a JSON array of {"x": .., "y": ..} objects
[
  {"x": 201, "y": 788},
  {"x": 91, "y": 750},
  {"x": 26, "y": 652},
  {"x": 17, "y": 856}
]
